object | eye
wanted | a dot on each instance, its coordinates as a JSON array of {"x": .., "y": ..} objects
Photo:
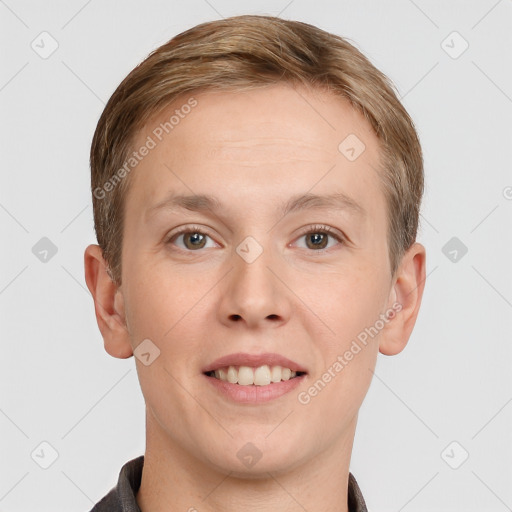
[
  {"x": 317, "y": 237},
  {"x": 192, "y": 238}
]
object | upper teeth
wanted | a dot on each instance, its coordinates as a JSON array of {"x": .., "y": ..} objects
[{"x": 261, "y": 376}]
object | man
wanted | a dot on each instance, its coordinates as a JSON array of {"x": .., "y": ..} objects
[{"x": 256, "y": 190}]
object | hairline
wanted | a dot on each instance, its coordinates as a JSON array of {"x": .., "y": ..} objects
[{"x": 394, "y": 253}]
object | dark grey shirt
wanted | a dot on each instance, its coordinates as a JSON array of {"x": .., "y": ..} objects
[{"x": 122, "y": 497}]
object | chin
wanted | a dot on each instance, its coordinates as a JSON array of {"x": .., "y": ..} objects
[{"x": 247, "y": 459}]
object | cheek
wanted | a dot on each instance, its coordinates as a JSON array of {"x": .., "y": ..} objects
[
  {"x": 337, "y": 394},
  {"x": 159, "y": 297},
  {"x": 344, "y": 302},
  {"x": 346, "y": 345},
  {"x": 346, "y": 350},
  {"x": 163, "y": 307}
]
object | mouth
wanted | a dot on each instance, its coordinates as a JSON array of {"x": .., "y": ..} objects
[{"x": 254, "y": 376}]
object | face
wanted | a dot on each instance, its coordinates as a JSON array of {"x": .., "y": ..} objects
[{"x": 280, "y": 268}]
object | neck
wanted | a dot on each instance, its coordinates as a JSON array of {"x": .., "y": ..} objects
[{"x": 173, "y": 479}]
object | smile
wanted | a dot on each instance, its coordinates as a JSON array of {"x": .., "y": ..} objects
[{"x": 249, "y": 376}]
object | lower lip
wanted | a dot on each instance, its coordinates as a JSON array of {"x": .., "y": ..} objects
[{"x": 254, "y": 394}]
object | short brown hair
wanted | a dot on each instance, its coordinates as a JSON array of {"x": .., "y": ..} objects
[{"x": 245, "y": 52}]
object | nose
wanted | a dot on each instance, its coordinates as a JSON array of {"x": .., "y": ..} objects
[{"x": 253, "y": 292}]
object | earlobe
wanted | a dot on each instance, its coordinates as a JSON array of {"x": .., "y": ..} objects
[
  {"x": 108, "y": 304},
  {"x": 405, "y": 298}
]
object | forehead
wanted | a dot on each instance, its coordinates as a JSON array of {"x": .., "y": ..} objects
[{"x": 266, "y": 140}]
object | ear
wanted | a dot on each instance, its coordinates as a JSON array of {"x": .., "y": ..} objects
[
  {"x": 404, "y": 300},
  {"x": 108, "y": 304}
]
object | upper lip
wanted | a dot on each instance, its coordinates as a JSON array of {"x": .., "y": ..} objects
[{"x": 254, "y": 360}]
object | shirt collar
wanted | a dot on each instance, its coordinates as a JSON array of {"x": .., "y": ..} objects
[{"x": 122, "y": 497}]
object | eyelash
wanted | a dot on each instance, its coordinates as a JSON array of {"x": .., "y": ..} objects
[
  {"x": 317, "y": 228},
  {"x": 326, "y": 230}
]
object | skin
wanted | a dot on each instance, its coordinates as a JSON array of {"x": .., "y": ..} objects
[{"x": 254, "y": 151}]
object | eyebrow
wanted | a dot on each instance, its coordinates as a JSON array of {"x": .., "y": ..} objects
[{"x": 204, "y": 202}]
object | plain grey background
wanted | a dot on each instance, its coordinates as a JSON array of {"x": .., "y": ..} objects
[{"x": 434, "y": 432}]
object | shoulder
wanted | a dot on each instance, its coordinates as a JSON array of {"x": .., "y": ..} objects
[
  {"x": 356, "y": 501},
  {"x": 109, "y": 503},
  {"x": 122, "y": 497}
]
